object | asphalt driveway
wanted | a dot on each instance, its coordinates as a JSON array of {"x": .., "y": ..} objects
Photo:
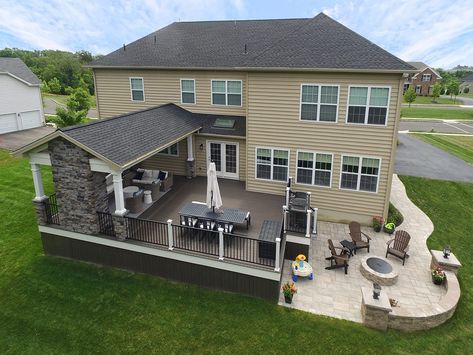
[
  {"x": 417, "y": 158},
  {"x": 439, "y": 126}
]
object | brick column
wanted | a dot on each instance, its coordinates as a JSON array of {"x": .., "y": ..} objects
[
  {"x": 40, "y": 209},
  {"x": 119, "y": 225}
]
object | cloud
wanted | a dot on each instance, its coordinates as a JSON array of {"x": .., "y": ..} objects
[
  {"x": 438, "y": 32},
  {"x": 99, "y": 26}
]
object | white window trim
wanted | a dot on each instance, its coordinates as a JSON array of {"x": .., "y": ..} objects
[
  {"x": 420, "y": 89},
  {"x": 360, "y": 159},
  {"x": 171, "y": 155},
  {"x": 131, "y": 90},
  {"x": 314, "y": 169},
  {"x": 430, "y": 77},
  {"x": 188, "y": 92},
  {"x": 272, "y": 165},
  {"x": 235, "y": 176},
  {"x": 368, "y": 105},
  {"x": 226, "y": 92},
  {"x": 319, "y": 103}
]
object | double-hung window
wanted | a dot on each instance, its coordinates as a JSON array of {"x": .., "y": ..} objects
[
  {"x": 272, "y": 164},
  {"x": 226, "y": 92},
  {"x": 314, "y": 168},
  {"x": 368, "y": 105},
  {"x": 319, "y": 103},
  {"x": 188, "y": 91},
  {"x": 361, "y": 174},
  {"x": 172, "y": 150},
  {"x": 426, "y": 77},
  {"x": 137, "y": 89}
]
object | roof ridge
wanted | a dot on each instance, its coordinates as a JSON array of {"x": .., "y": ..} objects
[
  {"x": 248, "y": 20},
  {"x": 80, "y": 125}
]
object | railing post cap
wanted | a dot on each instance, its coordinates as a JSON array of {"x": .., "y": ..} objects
[
  {"x": 309, "y": 211},
  {"x": 288, "y": 188},
  {"x": 278, "y": 240},
  {"x": 220, "y": 229},
  {"x": 169, "y": 221},
  {"x": 284, "y": 207},
  {"x": 315, "y": 209},
  {"x": 309, "y": 193}
]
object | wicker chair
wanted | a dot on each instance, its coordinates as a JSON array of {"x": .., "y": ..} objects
[
  {"x": 399, "y": 246},
  {"x": 134, "y": 204},
  {"x": 337, "y": 260},
  {"x": 357, "y": 237}
]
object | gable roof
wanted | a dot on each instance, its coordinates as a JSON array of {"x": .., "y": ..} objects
[
  {"x": 318, "y": 43},
  {"x": 125, "y": 140},
  {"x": 18, "y": 69},
  {"x": 421, "y": 67},
  {"x": 468, "y": 78}
]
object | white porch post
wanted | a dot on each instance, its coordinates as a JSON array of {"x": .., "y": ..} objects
[
  {"x": 170, "y": 235},
  {"x": 284, "y": 217},
  {"x": 314, "y": 226},
  {"x": 278, "y": 255},
  {"x": 307, "y": 230},
  {"x": 288, "y": 190},
  {"x": 118, "y": 190},
  {"x": 38, "y": 182},
  {"x": 190, "y": 148},
  {"x": 220, "y": 244}
]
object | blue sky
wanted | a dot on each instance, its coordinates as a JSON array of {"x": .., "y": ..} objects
[{"x": 438, "y": 32}]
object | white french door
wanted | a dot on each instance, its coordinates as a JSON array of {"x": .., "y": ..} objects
[{"x": 225, "y": 156}]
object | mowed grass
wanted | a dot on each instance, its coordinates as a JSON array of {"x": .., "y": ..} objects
[
  {"x": 52, "y": 305},
  {"x": 460, "y": 146},
  {"x": 428, "y": 100},
  {"x": 443, "y": 113}
]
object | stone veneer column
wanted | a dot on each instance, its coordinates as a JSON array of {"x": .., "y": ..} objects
[
  {"x": 119, "y": 226},
  {"x": 375, "y": 312},
  {"x": 40, "y": 209},
  {"x": 80, "y": 192}
]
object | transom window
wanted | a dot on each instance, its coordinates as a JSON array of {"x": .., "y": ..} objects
[
  {"x": 137, "y": 89},
  {"x": 314, "y": 168},
  {"x": 171, "y": 150},
  {"x": 272, "y": 164},
  {"x": 226, "y": 92},
  {"x": 368, "y": 105},
  {"x": 188, "y": 91},
  {"x": 426, "y": 77},
  {"x": 319, "y": 103},
  {"x": 361, "y": 174}
]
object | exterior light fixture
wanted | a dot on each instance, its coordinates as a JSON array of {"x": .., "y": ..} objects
[
  {"x": 446, "y": 251},
  {"x": 376, "y": 290},
  {"x": 201, "y": 146}
]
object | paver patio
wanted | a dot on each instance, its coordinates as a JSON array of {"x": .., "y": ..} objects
[{"x": 334, "y": 294}]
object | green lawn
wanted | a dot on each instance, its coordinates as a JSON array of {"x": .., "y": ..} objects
[
  {"x": 443, "y": 113},
  {"x": 470, "y": 95},
  {"x": 461, "y": 146},
  {"x": 427, "y": 100},
  {"x": 51, "y": 305}
]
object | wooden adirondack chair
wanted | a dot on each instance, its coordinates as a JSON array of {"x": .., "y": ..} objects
[
  {"x": 337, "y": 260},
  {"x": 399, "y": 245},
  {"x": 357, "y": 237}
]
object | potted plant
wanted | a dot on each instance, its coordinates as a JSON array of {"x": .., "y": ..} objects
[
  {"x": 438, "y": 275},
  {"x": 289, "y": 289},
  {"x": 389, "y": 227},
  {"x": 377, "y": 223}
]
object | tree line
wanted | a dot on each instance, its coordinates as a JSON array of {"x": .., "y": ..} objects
[{"x": 59, "y": 71}]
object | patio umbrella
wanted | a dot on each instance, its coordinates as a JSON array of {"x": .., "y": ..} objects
[{"x": 214, "y": 200}]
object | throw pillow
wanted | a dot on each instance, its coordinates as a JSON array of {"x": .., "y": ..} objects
[
  {"x": 139, "y": 175},
  {"x": 162, "y": 175}
]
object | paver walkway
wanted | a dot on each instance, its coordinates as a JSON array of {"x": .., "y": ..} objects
[{"x": 334, "y": 294}]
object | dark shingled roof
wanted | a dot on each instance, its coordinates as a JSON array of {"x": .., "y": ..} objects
[
  {"x": 208, "y": 120},
  {"x": 16, "y": 67},
  {"x": 316, "y": 43},
  {"x": 124, "y": 139}
]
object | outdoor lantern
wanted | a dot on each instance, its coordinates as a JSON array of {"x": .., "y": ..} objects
[
  {"x": 376, "y": 290},
  {"x": 446, "y": 251},
  {"x": 201, "y": 146}
]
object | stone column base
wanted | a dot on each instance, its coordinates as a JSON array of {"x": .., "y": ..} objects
[
  {"x": 375, "y": 312},
  {"x": 40, "y": 209},
  {"x": 119, "y": 226}
]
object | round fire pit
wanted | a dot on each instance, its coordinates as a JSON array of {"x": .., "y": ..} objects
[{"x": 378, "y": 270}]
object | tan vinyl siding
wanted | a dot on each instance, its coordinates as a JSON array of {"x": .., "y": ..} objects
[
  {"x": 201, "y": 155},
  {"x": 176, "y": 165},
  {"x": 273, "y": 121},
  {"x": 161, "y": 87}
]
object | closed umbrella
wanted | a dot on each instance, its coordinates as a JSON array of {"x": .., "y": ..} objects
[{"x": 214, "y": 200}]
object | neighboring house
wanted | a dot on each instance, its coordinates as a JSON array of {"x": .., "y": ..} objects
[
  {"x": 266, "y": 100},
  {"x": 466, "y": 85},
  {"x": 21, "y": 106},
  {"x": 422, "y": 81}
]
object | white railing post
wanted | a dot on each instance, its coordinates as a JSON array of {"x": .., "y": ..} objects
[
  {"x": 170, "y": 235},
  {"x": 307, "y": 230},
  {"x": 284, "y": 217},
  {"x": 309, "y": 195},
  {"x": 314, "y": 223},
  {"x": 288, "y": 190},
  {"x": 220, "y": 244},
  {"x": 278, "y": 255}
]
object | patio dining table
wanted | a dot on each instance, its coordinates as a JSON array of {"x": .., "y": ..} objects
[{"x": 224, "y": 215}]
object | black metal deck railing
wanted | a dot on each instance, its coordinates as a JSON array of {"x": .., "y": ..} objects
[
  {"x": 105, "y": 221},
  {"x": 52, "y": 210},
  {"x": 147, "y": 231},
  {"x": 296, "y": 222}
]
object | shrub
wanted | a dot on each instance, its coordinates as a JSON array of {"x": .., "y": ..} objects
[
  {"x": 394, "y": 216},
  {"x": 54, "y": 86}
]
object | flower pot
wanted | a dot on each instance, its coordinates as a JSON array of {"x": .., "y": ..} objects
[
  {"x": 288, "y": 299},
  {"x": 377, "y": 229},
  {"x": 437, "y": 281},
  {"x": 388, "y": 230}
]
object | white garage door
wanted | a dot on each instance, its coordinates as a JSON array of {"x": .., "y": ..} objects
[
  {"x": 8, "y": 123},
  {"x": 30, "y": 119}
]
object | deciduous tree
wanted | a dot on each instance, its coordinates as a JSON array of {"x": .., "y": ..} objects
[{"x": 410, "y": 96}]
